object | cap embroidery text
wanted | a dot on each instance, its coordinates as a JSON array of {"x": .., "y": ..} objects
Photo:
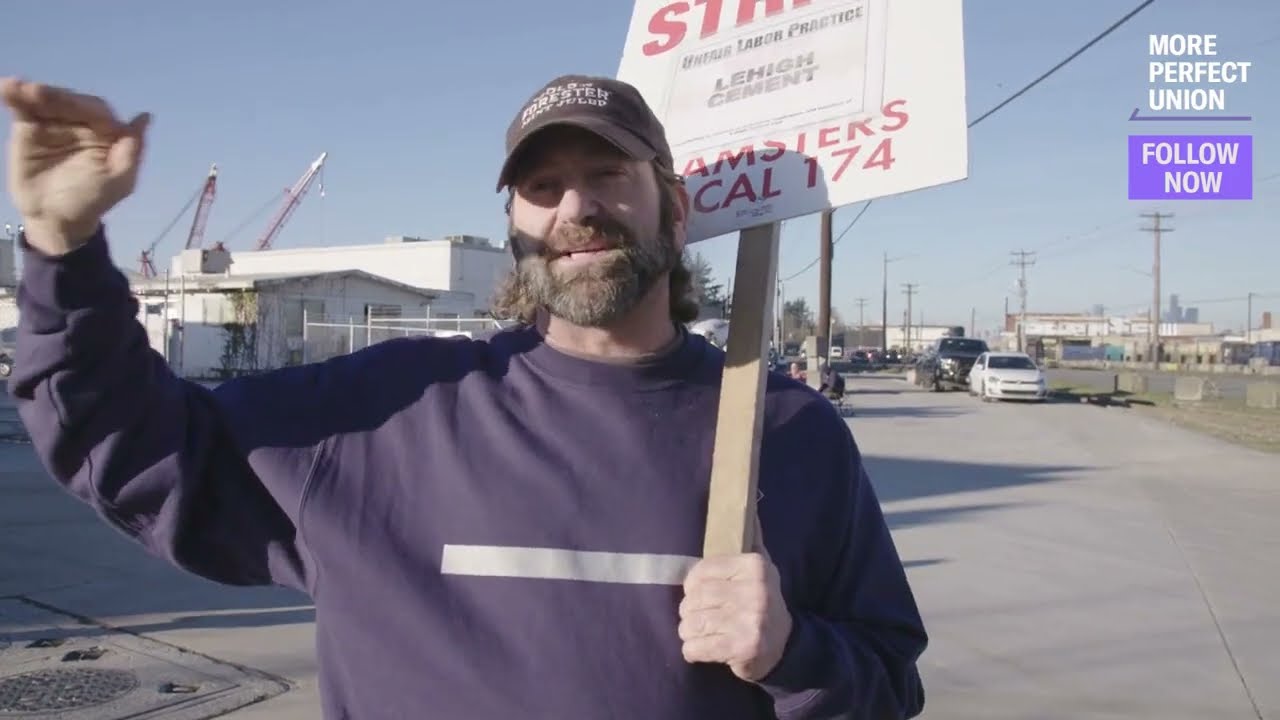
[{"x": 559, "y": 96}]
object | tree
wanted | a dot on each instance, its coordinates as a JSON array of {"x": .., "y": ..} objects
[
  {"x": 706, "y": 290},
  {"x": 797, "y": 320}
]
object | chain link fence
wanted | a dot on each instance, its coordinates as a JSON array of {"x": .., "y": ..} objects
[{"x": 324, "y": 338}]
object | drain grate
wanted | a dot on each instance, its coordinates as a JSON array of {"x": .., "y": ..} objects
[{"x": 43, "y": 691}]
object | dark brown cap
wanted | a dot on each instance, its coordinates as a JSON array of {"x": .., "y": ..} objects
[{"x": 612, "y": 109}]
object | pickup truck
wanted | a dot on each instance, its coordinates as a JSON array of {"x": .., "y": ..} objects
[{"x": 946, "y": 365}]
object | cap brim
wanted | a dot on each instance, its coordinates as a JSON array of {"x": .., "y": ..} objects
[{"x": 625, "y": 140}]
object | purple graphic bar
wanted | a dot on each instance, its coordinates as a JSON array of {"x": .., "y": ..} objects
[{"x": 1190, "y": 167}]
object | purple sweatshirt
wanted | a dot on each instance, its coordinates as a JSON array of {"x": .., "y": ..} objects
[{"x": 488, "y": 529}]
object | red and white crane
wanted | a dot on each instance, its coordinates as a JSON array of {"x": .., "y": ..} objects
[
  {"x": 205, "y": 195},
  {"x": 293, "y": 197}
]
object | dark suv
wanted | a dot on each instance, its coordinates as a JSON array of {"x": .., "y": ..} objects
[{"x": 946, "y": 365}]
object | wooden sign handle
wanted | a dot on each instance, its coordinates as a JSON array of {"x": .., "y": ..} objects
[{"x": 735, "y": 461}]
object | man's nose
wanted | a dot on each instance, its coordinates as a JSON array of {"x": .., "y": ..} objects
[{"x": 576, "y": 205}]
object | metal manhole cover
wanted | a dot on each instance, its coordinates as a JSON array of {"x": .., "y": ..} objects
[{"x": 63, "y": 689}]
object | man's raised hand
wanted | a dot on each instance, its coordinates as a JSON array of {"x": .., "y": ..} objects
[{"x": 70, "y": 161}]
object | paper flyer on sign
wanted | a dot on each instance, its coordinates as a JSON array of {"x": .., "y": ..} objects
[{"x": 781, "y": 108}]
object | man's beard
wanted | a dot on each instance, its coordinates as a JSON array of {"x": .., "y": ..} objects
[{"x": 602, "y": 291}]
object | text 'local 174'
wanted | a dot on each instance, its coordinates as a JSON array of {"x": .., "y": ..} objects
[{"x": 1190, "y": 167}]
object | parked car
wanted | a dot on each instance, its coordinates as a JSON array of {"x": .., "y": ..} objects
[
  {"x": 8, "y": 338},
  {"x": 946, "y": 364},
  {"x": 1007, "y": 376}
]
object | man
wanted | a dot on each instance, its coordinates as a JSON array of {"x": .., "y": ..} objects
[
  {"x": 489, "y": 529},
  {"x": 795, "y": 372}
]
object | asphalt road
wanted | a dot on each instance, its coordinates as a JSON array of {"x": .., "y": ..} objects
[
  {"x": 1070, "y": 561},
  {"x": 1231, "y": 387}
]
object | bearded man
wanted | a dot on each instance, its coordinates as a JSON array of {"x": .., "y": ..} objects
[{"x": 496, "y": 528}]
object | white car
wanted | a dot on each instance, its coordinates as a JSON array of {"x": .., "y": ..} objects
[{"x": 1007, "y": 376}]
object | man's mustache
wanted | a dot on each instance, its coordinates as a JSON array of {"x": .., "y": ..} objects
[{"x": 595, "y": 233}]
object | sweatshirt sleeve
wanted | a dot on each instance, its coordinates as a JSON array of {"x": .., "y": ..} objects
[
  {"x": 853, "y": 657},
  {"x": 211, "y": 481}
]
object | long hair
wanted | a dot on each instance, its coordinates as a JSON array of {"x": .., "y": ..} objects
[{"x": 512, "y": 300}]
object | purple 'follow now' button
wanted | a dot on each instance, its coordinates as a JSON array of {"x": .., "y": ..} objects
[{"x": 1190, "y": 167}]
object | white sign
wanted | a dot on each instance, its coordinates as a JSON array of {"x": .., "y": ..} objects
[{"x": 781, "y": 108}]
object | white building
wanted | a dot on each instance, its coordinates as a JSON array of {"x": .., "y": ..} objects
[
  {"x": 921, "y": 336},
  {"x": 212, "y": 325},
  {"x": 461, "y": 263},
  {"x": 1085, "y": 326}
]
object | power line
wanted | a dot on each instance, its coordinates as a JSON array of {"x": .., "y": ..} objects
[
  {"x": 1044, "y": 76},
  {"x": 795, "y": 275}
]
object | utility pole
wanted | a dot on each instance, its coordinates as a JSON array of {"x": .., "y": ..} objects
[
  {"x": 1022, "y": 260},
  {"x": 824, "y": 286},
  {"x": 884, "y": 308},
  {"x": 973, "y": 321},
  {"x": 1156, "y": 231},
  {"x": 909, "y": 289},
  {"x": 1248, "y": 325},
  {"x": 862, "y": 328}
]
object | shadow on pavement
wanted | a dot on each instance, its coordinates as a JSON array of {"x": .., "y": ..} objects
[
  {"x": 923, "y": 562},
  {"x": 855, "y": 410},
  {"x": 896, "y": 479},
  {"x": 900, "y": 519}
]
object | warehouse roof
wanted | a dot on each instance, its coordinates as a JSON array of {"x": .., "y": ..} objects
[{"x": 246, "y": 281}]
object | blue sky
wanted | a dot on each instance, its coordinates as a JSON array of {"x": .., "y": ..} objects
[{"x": 411, "y": 100}]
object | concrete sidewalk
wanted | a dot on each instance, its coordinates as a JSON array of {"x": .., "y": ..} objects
[{"x": 1071, "y": 562}]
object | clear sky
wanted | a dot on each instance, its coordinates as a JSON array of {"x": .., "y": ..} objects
[{"x": 411, "y": 101}]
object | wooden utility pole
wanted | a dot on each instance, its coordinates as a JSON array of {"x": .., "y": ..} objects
[
  {"x": 1156, "y": 231},
  {"x": 824, "y": 286},
  {"x": 1022, "y": 260},
  {"x": 973, "y": 321}
]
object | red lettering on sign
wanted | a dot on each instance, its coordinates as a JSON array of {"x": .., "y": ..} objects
[
  {"x": 742, "y": 188},
  {"x": 828, "y": 137},
  {"x": 747, "y": 9},
  {"x": 894, "y": 111},
  {"x": 778, "y": 149},
  {"x": 710, "y": 17},
  {"x": 670, "y": 26},
  {"x": 882, "y": 156},
  {"x": 894, "y": 118},
  {"x": 664, "y": 24},
  {"x": 747, "y": 153}
]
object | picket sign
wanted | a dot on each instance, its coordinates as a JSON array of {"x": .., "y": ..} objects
[{"x": 775, "y": 109}]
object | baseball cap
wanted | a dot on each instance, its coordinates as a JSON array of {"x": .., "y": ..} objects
[{"x": 612, "y": 109}]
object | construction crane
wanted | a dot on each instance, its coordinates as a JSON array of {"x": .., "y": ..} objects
[
  {"x": 205, "y": 195},
  {"x": 293, "y": 197}
]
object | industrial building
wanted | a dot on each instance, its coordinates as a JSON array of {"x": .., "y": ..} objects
[
  {"x": 455, "y": 264},
  {"x": 219, "y": 313}
]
